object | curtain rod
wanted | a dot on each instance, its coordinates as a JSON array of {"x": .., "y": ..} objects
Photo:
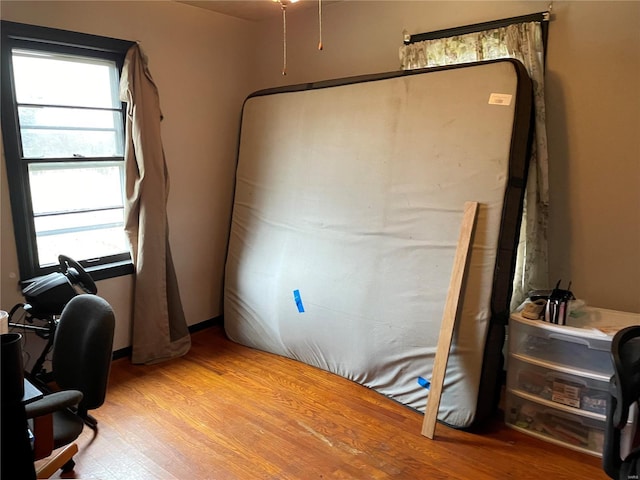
[{"x": 543, "y": 17}]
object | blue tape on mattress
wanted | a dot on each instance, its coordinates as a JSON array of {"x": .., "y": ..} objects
[{"x": 298, "y": 299}]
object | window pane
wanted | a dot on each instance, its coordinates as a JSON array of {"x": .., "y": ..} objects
[
  {"x": 81, "y": 236},
  {"x": 62, "y": 117},
  {"x": 67, "y": 186},
  {"x": 72, "y": 143},
  {"x": 52, "y": 143},
  {"x": 55, "y": 79}
]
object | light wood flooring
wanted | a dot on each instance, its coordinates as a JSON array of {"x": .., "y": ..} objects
[{"x": 225, "y": 411}]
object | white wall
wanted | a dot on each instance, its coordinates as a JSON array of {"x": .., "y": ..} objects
[
  {"x": 593, "y": 114},
  {"x": 594, "y": 139},
  {"x": 199, "y": 62},
  {"x": 205, "y": 64}
]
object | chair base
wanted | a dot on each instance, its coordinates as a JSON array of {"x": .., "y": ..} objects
[
  {"x": 61, "y": 459},
  {"x": 90, "y": 421}
]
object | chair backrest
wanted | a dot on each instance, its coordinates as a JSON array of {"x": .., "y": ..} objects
[
  {"x": 82, "y": 348},
  {"x": 624, "y": 390}
]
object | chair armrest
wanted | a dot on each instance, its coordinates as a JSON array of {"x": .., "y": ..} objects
[{"x": 53, "y": 402}]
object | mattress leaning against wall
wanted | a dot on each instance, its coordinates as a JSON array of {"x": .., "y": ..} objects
[{"x": 348, "y": 202}]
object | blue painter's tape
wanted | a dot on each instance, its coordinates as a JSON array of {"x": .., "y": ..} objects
[
  {"x": 298, "y": 299},
  {"x": 424, "y": 383}
]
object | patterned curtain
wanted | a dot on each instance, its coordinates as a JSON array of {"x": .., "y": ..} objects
[{"x": 522, "y": 41}]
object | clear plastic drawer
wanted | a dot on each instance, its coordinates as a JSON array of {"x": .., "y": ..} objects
[
  {"x": 574, "y": 431},
  {"x": 569, "y": 387},
  {"x": 557, "y": 425},
  {"x": 579, "y": 349}
]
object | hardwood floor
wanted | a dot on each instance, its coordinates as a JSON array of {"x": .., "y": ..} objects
[{"x": 225, "y": 411}]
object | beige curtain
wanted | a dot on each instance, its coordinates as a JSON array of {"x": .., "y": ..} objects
[
  {"x": 159, "y": 328},
  {"x": 522, "y": 41}
]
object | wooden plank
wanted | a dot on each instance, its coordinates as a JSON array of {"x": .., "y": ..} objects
[{"x": 449, "y": 318}]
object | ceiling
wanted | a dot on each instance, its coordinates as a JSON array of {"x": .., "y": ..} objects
[{"x": 254, "y": 10}]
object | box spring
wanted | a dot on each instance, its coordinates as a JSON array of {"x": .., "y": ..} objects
[{"x": 347, "y": 209}]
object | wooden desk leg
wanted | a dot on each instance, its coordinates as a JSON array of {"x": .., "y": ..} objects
[{"x": 43, "y": 433}]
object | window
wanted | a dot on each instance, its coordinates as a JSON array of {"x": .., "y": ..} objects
[{"x": 63, "y": 130}]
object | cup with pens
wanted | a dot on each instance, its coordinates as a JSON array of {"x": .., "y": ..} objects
[{"x": 557, "y": 307}]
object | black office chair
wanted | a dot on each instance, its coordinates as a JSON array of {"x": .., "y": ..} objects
[
  {"x": 624, "y": 391},
  {"x": 81, "y": 362}
]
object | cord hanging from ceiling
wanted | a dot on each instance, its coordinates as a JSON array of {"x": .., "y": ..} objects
[
  {"x": 319, "y": 24},
  {"x": 284, "y": 37},
  {"x": 283, "y": 7}
]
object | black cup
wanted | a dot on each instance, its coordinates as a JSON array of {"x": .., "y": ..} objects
[{"x": 11, "y": 368}]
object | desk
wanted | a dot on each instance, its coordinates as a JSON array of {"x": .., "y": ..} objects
[
  {"x": 31, "y": 393},
  {"x": 14, "y": 438}
]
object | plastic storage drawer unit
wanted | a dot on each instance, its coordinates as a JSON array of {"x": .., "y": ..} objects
[{"x": 558, "y": 379}]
